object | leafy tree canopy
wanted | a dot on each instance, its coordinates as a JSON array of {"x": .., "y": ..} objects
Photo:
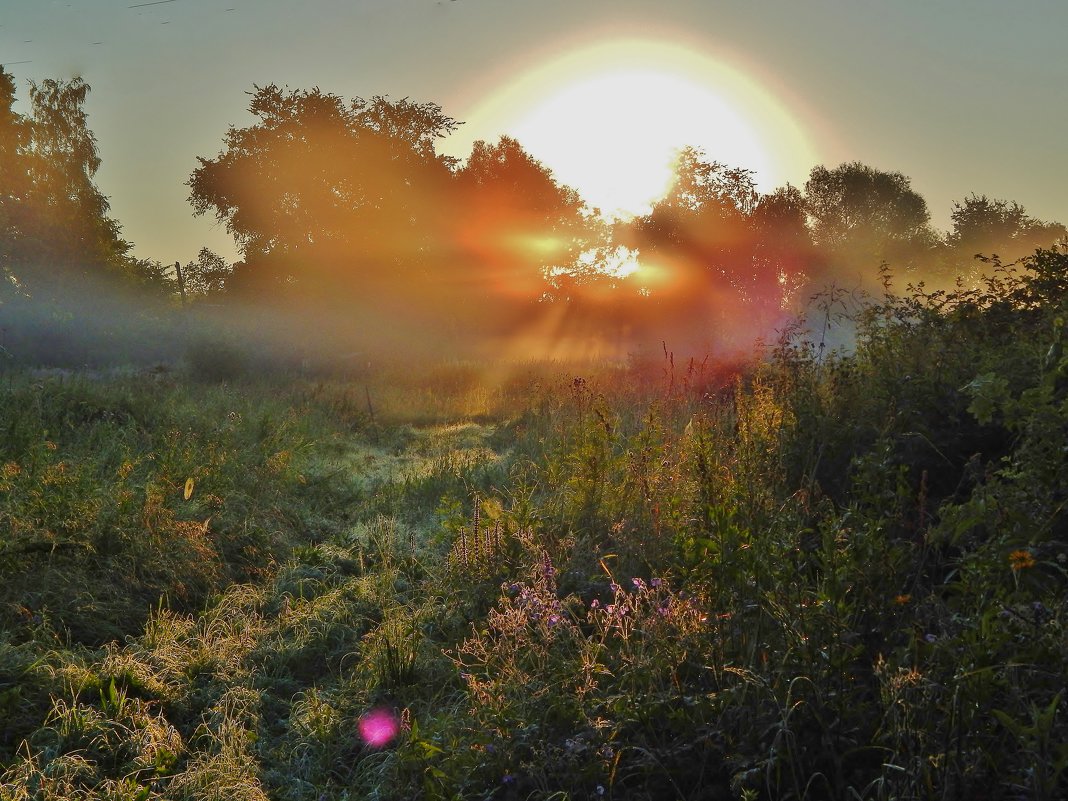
[
  {"x": 54, "y": 223},
  {"x": 982, "y": 225},
  {"x": 862, "y": 212},
  {"x": 324, "y": 190}
]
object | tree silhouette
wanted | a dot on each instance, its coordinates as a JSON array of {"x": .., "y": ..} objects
[
  {"x": 515, "y": 224},
  {"x": 785, "y": 258},
  {"x": 53, "y": 218},
  {"x": 75, "y": 228},
  {"x": 326, "y": 196},
  {"x": 14, "y": 139},
  {"x": 722, "y": 258},
  {"x": 997, "y": 228},
  {"x": 206, "y": 277},
  {"x": 861, "y": 216},
  {"x": 700, "y": 227}
]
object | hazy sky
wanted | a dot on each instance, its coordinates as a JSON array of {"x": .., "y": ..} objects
[{"x": 961, "y": 95}]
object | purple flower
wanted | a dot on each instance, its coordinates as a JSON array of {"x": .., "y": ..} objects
[
  {"x": 614, "y": 587},
  {"x": 637, "y": 582},
  {"x": 655, "y": 582},
  {"x": 547, "y": 568},
  {"x": 554, "y": 619},
  {"x": 595, "y": 604},
  {"x": 507, "y": 778},
  {"x": 930, "y": 638}
]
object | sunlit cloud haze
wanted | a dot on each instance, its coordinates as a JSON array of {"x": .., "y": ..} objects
[{"x": 961, "y": 96}]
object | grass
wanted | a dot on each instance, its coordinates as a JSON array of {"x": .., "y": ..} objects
[{"x": 820, "y": 576}]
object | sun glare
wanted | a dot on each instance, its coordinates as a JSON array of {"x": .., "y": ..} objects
[{"x": 608, "y": 119}]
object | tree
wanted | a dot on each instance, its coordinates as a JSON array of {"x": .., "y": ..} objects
[
  {"x": 706, "y": 199},
  {"x": 516, "y": 224},
  {"x": 862, "y": 216},
  {"x": 14, "y": 180},
  {"x": 54, "y": 221},
  {"x": 785, "y": 256},
  {"x": 709, "y": 244},
  {"x": 700, "y": 227},
  {"x": 206, "y": 277},
  {"x": 998, "y": 228},
  {"x": 329, "y": 196},
  {"x": 75, "y": 230}
]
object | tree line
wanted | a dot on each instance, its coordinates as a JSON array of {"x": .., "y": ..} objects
[{"x": 349, "y": 206}]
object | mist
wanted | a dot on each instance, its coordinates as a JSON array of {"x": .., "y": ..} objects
[{"x": 359, "y": 242}]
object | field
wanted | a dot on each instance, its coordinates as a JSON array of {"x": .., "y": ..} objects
[{"x": 806, "y": 575}]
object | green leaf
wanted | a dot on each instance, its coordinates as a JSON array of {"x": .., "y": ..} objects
[{"x": 989, "y": 393}]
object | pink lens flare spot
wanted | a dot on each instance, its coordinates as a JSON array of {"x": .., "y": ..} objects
[{"x": 378, "y": 727}]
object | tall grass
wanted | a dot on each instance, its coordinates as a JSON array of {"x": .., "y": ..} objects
[{"x": 820, "y": 576}]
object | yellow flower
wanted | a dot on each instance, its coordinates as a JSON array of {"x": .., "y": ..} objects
[{"x": 1021, "y": 559}]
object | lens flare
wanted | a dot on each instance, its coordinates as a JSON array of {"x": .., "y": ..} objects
[{"x": 378, "y": 727}]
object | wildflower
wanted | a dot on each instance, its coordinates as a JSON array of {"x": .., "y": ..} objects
[
  {"x": 547, "y": 568},
  {"x": 507, "y": 778},
  {"x": 902, "y": 599},
  {"x": 614, "y": 587},
  {"x": 930, "y": 637},
  {"x": 554, "y": 619},
  {"x": 595, "y": 604},
  {"x": 1021, "y": 559},
  {"x": 655, "y": 582},
  {"x": 638, "y": 583}
]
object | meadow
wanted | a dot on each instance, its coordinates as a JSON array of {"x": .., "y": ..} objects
[{"x": 807, "y": 575}]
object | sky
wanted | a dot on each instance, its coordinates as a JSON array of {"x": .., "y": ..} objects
[{"x": 963, "y": 96}]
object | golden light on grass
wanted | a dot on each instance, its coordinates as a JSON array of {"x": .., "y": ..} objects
[
  {"x": 188, "y": 493},
  {"x": 608, "y": 119}
]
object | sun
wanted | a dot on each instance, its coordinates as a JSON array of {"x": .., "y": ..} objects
[
  {"x": 609, "y": 118},
  {"x": 613, "y": 135}
]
